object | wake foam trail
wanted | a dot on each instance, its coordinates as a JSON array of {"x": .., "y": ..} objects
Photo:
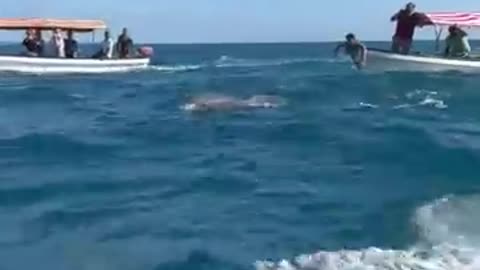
[
  {"x": 226, "y": 61},
  {"x": 448, "y": 240},
  {"x": 231, "y": 62},
  {"x": 176, "y": 68}
]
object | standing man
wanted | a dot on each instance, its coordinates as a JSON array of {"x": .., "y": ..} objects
[
  {"x": 407, "y": 19},
  {"x": 106, "y": 47},
  {"x": 56, "y": 46},
  {"x": 124, "y": 44},
  {"x": 71, "y": 46}
]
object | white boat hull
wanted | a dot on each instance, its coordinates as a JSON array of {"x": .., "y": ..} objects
[
  {"x": 40, "y": 65},
  {"x": 381, "y": 60}
]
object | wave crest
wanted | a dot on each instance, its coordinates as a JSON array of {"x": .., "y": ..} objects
[{"x": 449, "y": 235}]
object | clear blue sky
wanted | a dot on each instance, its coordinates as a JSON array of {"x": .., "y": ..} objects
[{"x": 234, "y": 20}]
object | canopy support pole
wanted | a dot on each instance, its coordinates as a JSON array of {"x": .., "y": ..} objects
[{"x": 438, "y": 35}]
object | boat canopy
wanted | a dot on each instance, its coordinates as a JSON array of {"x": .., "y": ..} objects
[
  {"x": 462, "y": 19},
  {"x": 50, "y": 24}
]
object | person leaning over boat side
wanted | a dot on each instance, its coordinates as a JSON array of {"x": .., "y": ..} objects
[
  {"x": 124, "y": 44},
  {"x": 407, "y": 19},
  {"x": 30, "y": 43},
  {"x": 355, "y": 49},
  {"x": 457, "y": 44},
  {"x": 106, "y": 49},
  {"x": 71, "y": 46}
]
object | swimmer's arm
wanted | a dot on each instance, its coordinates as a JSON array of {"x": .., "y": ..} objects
[{"x": 338, "y": 48}]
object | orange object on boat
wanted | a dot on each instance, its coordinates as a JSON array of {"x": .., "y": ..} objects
[{"x": 50, "y": 24}]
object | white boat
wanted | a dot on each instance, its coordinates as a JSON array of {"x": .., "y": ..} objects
[
  {"x": 378, "y": 59},
  {"x": 385, "y": 60},
  {"x": 42, "y": 65}
]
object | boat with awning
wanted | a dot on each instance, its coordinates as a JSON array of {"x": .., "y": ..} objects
[
  {"x": 28, "y": 64},
  {"x": 387, "y": 60}
]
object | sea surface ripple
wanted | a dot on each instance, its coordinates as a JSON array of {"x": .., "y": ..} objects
[{"x": 355, "y": 170}]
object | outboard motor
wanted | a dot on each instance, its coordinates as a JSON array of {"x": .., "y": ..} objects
[{"x": 145, "y": 51}]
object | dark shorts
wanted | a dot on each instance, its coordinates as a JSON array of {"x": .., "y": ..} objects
[{"x": 401, "y": 45}]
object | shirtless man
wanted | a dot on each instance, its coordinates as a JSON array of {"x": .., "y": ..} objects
[{"x": 355, "y": 49}]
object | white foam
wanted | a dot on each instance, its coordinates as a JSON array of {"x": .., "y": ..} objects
[
  {"x": 449, "y": 235},
  {"x": 423, "y": 97},
  {"x": 176, "y": 68},
  {"x": 420, "y": 93},
  {"x": 368, "y": 105},
  {"x": 78, "y": 96},
  {"x": 231, "y": 62},
  {"x": 437, "y": 103}
]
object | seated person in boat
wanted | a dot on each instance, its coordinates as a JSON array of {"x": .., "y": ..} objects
[
  {"x": 30, "y": 43},
  {"x": 355, "y": 49},
  {"x": 106, "y": 49},
  {"x": 33, "y": 43},
  {"x": 124, "y": 45},
  {"x": 71, "y": 45},
  {"x": 407, "y": 19},
  {"x": 56, "y": 46},
  {"x": 457, "y": 44}
]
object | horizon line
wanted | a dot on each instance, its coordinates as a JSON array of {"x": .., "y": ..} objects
[{"x": 239, "y": 42}]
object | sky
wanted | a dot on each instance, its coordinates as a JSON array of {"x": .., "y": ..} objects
[{"x": 214, "y": 21}]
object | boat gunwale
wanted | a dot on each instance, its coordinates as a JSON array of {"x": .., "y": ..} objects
[
  {"x": 74, "y": 61},
  {"x": 425, "y": 59}
]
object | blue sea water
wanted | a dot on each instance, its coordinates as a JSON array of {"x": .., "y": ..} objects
[{"x": 357, "y": 170}]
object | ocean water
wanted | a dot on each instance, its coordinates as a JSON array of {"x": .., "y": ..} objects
[{"x": 351, "y": 171}]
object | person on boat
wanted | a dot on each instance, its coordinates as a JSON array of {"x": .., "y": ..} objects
[
  {"x": 124, "y": 44},
  {"x": 40, "y": 42},
  {"x": 106, "y": 49},
  {"x": 56, "y": 46},
  {"x": 30, "y": 43},
  {"x": 457, "y": 44},
  {"x": 71, "y": 45},
  {"x": 407, "y": 19},
  {"x": 355, "y": 49}
]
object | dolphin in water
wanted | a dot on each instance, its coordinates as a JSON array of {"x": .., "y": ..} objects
[{"x": 227, "y": 103}]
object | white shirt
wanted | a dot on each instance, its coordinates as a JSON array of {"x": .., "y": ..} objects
[
  {"x": 56, "y": 47},
  {"x": 107, "y": 47}
]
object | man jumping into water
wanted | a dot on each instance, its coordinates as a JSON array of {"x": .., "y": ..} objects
[{"x": 355, "y": 49}]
